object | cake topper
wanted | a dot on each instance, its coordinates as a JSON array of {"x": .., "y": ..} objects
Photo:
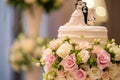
[
  {"x": 85, "y": 12},
  {"x": 77, "y": 17},
  {"x": 92, "y": 18}
]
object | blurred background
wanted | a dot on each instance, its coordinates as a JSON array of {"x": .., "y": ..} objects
[{"x": 107, "y": 14}]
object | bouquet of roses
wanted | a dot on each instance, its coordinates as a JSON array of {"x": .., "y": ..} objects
[
  {"x": 48, "y": 5},
  {"x": 24, "y": 50},
  {"x": 68, "y": 60}
]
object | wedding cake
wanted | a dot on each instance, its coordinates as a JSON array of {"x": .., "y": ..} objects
[{"x": 77, "y": 54}]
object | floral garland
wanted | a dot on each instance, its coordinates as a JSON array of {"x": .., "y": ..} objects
[
  {"x": 48, "y": 5},
  {"x": 25, "y": 50},
  {"x": 68, "y": 60}
]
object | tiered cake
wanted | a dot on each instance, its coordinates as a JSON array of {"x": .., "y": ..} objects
[
  {"x": 83, "y": 33},
  {"x": 77, "y": 54}
]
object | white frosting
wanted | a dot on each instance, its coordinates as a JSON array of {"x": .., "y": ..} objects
[{"x": 83, "y": 33}]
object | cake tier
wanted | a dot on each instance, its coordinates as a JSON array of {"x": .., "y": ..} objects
[{"x": 85, "y": 33}]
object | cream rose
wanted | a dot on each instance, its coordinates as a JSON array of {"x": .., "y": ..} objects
[
  {"x": 95, "y": 73},
  {"x": 28, "y": 45},
  {"x": 64, "y": 50},
  {"x": 69, "y": 76},
  {"x": 105, "y": 76},
  {"x": 116, "y": 50},
  {"x": 113, "y": 71},
  {"x": 84, "y": 54},
  {"x": 84, "y": 45},
  {"x": 54, "y": 44},
  {"x": 30, "y": 1}
]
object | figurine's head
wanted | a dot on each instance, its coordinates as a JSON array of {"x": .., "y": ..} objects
[
  {"x": 84, "y": 4},
  {"x": 78, "y": 2}
]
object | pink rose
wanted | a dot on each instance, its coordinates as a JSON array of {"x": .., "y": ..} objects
[
  {"x": 69, "y": 63},
  {"x": 50, "y": 58},
  {"x": 80, "y": 75},
  {"x": 103, "y": 59}
]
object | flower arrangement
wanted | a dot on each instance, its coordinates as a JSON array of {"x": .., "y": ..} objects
[
  {"x": 68, "y": 60},
  {"x": 24, "y": 51},
  {"x": 48, "y": 5}
]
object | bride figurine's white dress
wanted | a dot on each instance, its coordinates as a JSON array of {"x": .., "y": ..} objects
[{"x": 77, "y": 18}]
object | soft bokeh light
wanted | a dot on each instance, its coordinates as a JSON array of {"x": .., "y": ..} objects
[
  {"x": 100, "y": 11},
  {"x": 90, "y": 3}
]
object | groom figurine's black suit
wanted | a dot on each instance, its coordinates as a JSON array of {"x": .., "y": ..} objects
[{"x": 85, "y": 12}]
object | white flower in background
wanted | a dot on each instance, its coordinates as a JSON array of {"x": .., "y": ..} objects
[
  {"x": 95, "y": 73},
  {"x": 15, "y": 47},
  {"x": 21, "y": 36},
  {"x": 116, "y": 50},
  {"x": 84, "y": 54},
  {"x": 46, "y": 52},
  {"x": 64, "y": 50},
  {"x": 58, "y": 3},
  {"x": 113, "y": 71},
  {"x": 15, "y": 67},
  {"x": 54, "y": 44},
  {"x": 84, "y": 45},
  {"x": 16, "y": 57},
  {"x": 30, "y": 1},
  {"x": 28, "y": 45},
  {"x": 39, "y": 40},
  {"x": 37, "y": 52}
]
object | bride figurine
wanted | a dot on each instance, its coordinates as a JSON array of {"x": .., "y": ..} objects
[{"x": 77, "y": 17}]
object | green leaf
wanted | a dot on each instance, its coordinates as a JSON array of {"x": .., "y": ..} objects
[
  {"x": 78, "y": 60},
  {"x": 92, "y": 62}
]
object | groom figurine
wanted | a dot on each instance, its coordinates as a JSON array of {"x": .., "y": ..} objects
[{"x": 85, "y": 12}]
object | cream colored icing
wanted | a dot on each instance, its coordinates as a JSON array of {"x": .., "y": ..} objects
[{"x": 83, "y": 33}]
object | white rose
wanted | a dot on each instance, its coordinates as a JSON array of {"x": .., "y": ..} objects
[
  {"x": 95, "y": 73},
  {"x": 113, "y": 71},
  {"x": 116, "y": 50},
  {"x": 15, "y": 47},
  {"x": 64, "y": 50},
  {"x": 30, "y": 1},
  {"x": 84, "y": 54},
  {"x": 54, "y": 44},
  {"x": 85, "y": 67},
  {"x": 27, "y": 45}
]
